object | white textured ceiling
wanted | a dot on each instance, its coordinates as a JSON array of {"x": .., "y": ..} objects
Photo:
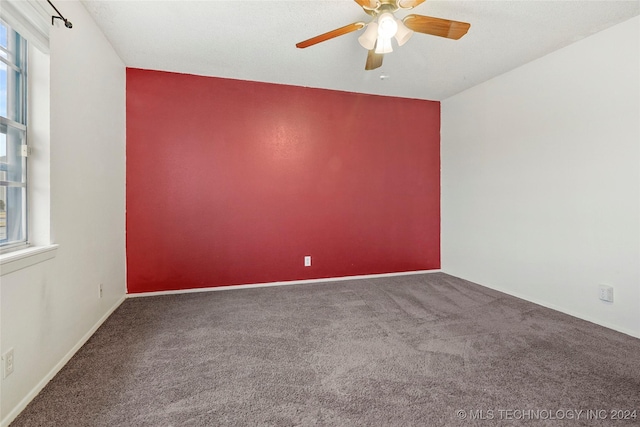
[{"x": 255, "y": 40}]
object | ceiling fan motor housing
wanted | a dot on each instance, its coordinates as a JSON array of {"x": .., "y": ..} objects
[{"x": 383, "y": 6}]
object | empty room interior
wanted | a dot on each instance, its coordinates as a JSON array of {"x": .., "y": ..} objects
[{"x": 369, "y": 212}]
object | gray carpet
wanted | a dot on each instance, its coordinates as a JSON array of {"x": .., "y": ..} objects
[{"x": 403, "y": 351}]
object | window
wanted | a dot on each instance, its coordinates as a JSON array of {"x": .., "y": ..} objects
[{"x": 13, "y": 138}]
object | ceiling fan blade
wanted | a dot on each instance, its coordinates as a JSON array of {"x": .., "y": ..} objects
[
  {"x": 409, "y": 4},
  {"x": 331, "y": 34},
  {"x": 368, "y": 4},
  {"x": 374, "y": 60},
  {"x": 436, "y": 26}
]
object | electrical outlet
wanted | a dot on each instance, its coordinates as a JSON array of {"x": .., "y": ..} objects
[
  {"x": 307, "y": 261},
  {"x": 7, "y": 363},
  {"x": 100, "y": 290},
  {"x": 605, "y": 293}
]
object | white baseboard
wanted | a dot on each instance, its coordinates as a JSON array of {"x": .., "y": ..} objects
[
  {"x": 571, "y": 312},
  {"x": 38, "y": 388},
  {"x": 286, "y": 283},
  {"x": 555, "y": 307}
]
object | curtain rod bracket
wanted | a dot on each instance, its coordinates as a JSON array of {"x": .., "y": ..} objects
[{"x": 67, "y": 23}]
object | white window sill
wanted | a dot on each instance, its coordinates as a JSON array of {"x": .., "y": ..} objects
[{"x": 14, "y": 261}]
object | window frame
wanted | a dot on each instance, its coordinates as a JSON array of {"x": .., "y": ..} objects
[{"x": 15, "y": 59}]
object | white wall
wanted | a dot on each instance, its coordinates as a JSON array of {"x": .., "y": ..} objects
[
  {"x": 48, "y": 309},
  {"x": 541, "y": 180}
]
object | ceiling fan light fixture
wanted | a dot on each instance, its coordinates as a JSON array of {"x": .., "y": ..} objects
[
  {"x": 387, "y": 25},
  {"x": 403, "y": 34},
  {"x": 384, "y": 45},
  {"x": 384, "y": 26},
  {"x": 368, "y": 39}
]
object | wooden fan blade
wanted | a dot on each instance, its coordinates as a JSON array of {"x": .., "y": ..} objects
[
  {"x": 331, "y": 34},
  {"x": 436, "y": 26},
  {"x": 368, "y": 4},
  {"x": 409, "y": 4},
  {"x": 374, "y": 60}
]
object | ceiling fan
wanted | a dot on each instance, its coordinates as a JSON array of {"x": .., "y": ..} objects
[{"x": 385, "y": 26}]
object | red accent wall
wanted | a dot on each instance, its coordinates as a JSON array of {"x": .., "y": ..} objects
[{"x": 234, "y": 182}]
